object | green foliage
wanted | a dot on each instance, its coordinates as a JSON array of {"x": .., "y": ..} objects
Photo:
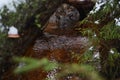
[
  {"x": 105, "y": 10},
  {"x": 88, "y": 32},
  {"x": 106, "y": 13},
  {"x": 47, "y": 65},
  {"x": 31, "y": 64},
  {"x": 113, "y": 56},
  {"x": 85, "y": 70},
  {"x": 37, "y": 21},
  {"x": 88, "y": 55},
  {"x": 2, "y": 37},
  {"x": 110, "y": 31},
  {"x": 23, "y": 12},
  {"x": 83, "y": 58},
  {"x": 106, "y": 33},
  {"x": 112, "y": 65},
  {"x": 18, "y": 18}
]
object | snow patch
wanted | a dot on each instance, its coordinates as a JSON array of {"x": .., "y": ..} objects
[
  {"x": 111, "y": 2},
  {"x": 111, "y": 51},
  {"x": 9, "y": 4},
  {"x": 96, "y": 22},
  {"x": 1, "y": 27},
  {"x": 98, "y": 6},
  {"x": 117, "y": 21},
  {"x": 119, "y": 2},
  {"x": 91, "y": 48},
  {"x": 13, "y": 30},
  {"x": 96, "y": 55},
  {"x": 94, "y": 35}
]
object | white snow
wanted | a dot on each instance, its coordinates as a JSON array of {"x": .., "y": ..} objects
[
  {"x": 9, "y": 4},
  {"x": 111, "y": 2},
  {"x": 96, "y": 55},
  {"x": 13, "y": 30},
  {"x": 97, "y": 6},
  {"x": 94, "y": 35},
  {"x": 117, "y": 21},
  {"x": 91, "y": 48},
  {"x": 1, "y": 27},
  {"x": 96, "y": 22},
  {"x": 111, "y": 51}
]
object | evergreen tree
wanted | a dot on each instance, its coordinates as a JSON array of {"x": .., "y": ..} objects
[{"x": 103, "y": 28}]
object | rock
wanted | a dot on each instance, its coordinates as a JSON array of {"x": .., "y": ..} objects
[
  {"x": 83, "y": 6},
  {"x": 65, "y": 16}
]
